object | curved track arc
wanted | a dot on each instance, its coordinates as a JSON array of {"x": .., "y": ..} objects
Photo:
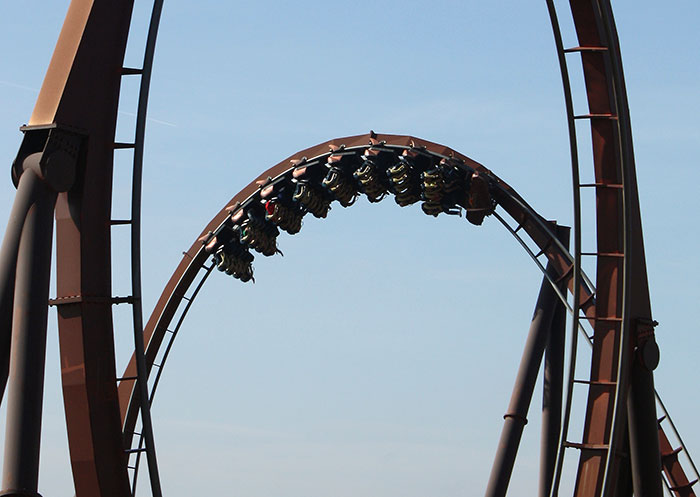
[{"x": 193, "y": 271}]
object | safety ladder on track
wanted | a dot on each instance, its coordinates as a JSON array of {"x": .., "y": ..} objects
[
  {"x": 145, "y": 436},
  {"x": 675, "y": 479},
  {"x": 601, "y": 451}
]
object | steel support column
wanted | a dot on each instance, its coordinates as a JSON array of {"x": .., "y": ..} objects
[
  {"x": 24, "y": 198},
  {"x": 516, "y": 417},
  {"x": 645, "y": 457},
  {"x": 29, "y": 318},
  {"x": 553, "y": 386},
  {"x": 552, "y": 399}
]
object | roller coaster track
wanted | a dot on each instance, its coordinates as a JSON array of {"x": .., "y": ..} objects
[{"x": 624, "y": 447}]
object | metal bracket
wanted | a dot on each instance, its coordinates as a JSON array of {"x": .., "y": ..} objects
[
  {"x": 59, "y": 148},
  {"x": 78, "y": 299}
]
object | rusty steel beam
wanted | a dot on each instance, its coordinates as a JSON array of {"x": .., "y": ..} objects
[
  {"x": 622, "y": 299},
  {"x": 645, "y": 462},
  {"x": 81, "y": 92}
]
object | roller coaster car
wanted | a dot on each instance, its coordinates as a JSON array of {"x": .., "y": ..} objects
[
  {"x": 479, "y": 200},
  {"x": 341, "y": 185}
]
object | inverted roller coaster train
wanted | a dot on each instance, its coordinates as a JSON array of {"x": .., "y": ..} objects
[{"x": 610, "y": 447}]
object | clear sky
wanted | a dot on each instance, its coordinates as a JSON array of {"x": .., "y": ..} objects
[{"x": 377, "y": 356}]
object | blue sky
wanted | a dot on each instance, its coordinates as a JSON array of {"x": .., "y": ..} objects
[{"x": 378, "y": 355}]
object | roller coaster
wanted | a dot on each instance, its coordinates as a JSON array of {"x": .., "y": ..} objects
[{"x": 628, "y": 446}]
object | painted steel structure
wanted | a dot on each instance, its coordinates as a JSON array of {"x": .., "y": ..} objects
[{"x": 65, "y": 163}]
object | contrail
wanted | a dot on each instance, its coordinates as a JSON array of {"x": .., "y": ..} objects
[
  {"x": 151, "y": 119},
  {"x": 21, "y": 87}
]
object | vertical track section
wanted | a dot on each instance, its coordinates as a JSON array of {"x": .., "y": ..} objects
[
  {"x": 146, "y": 436},
  {"x": 577, "y": 271},
  {"x": 598, "y": 463},
  {"x": 624, "y": 303}
]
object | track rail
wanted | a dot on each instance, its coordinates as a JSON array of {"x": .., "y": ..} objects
[
  {"x": 147, "y": 439},
  {"x": 177, "y": 297},
  {"x": 623, "y": 324}
]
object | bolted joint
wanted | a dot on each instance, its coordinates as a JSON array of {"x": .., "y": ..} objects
[
  {"x": 646, "y": 348},
  {"x": 52, "y": 152}
]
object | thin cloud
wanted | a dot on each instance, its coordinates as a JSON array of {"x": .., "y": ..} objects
[
  {"x": 21, "y": 87},
  {"x": 150, "y": 119}
]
